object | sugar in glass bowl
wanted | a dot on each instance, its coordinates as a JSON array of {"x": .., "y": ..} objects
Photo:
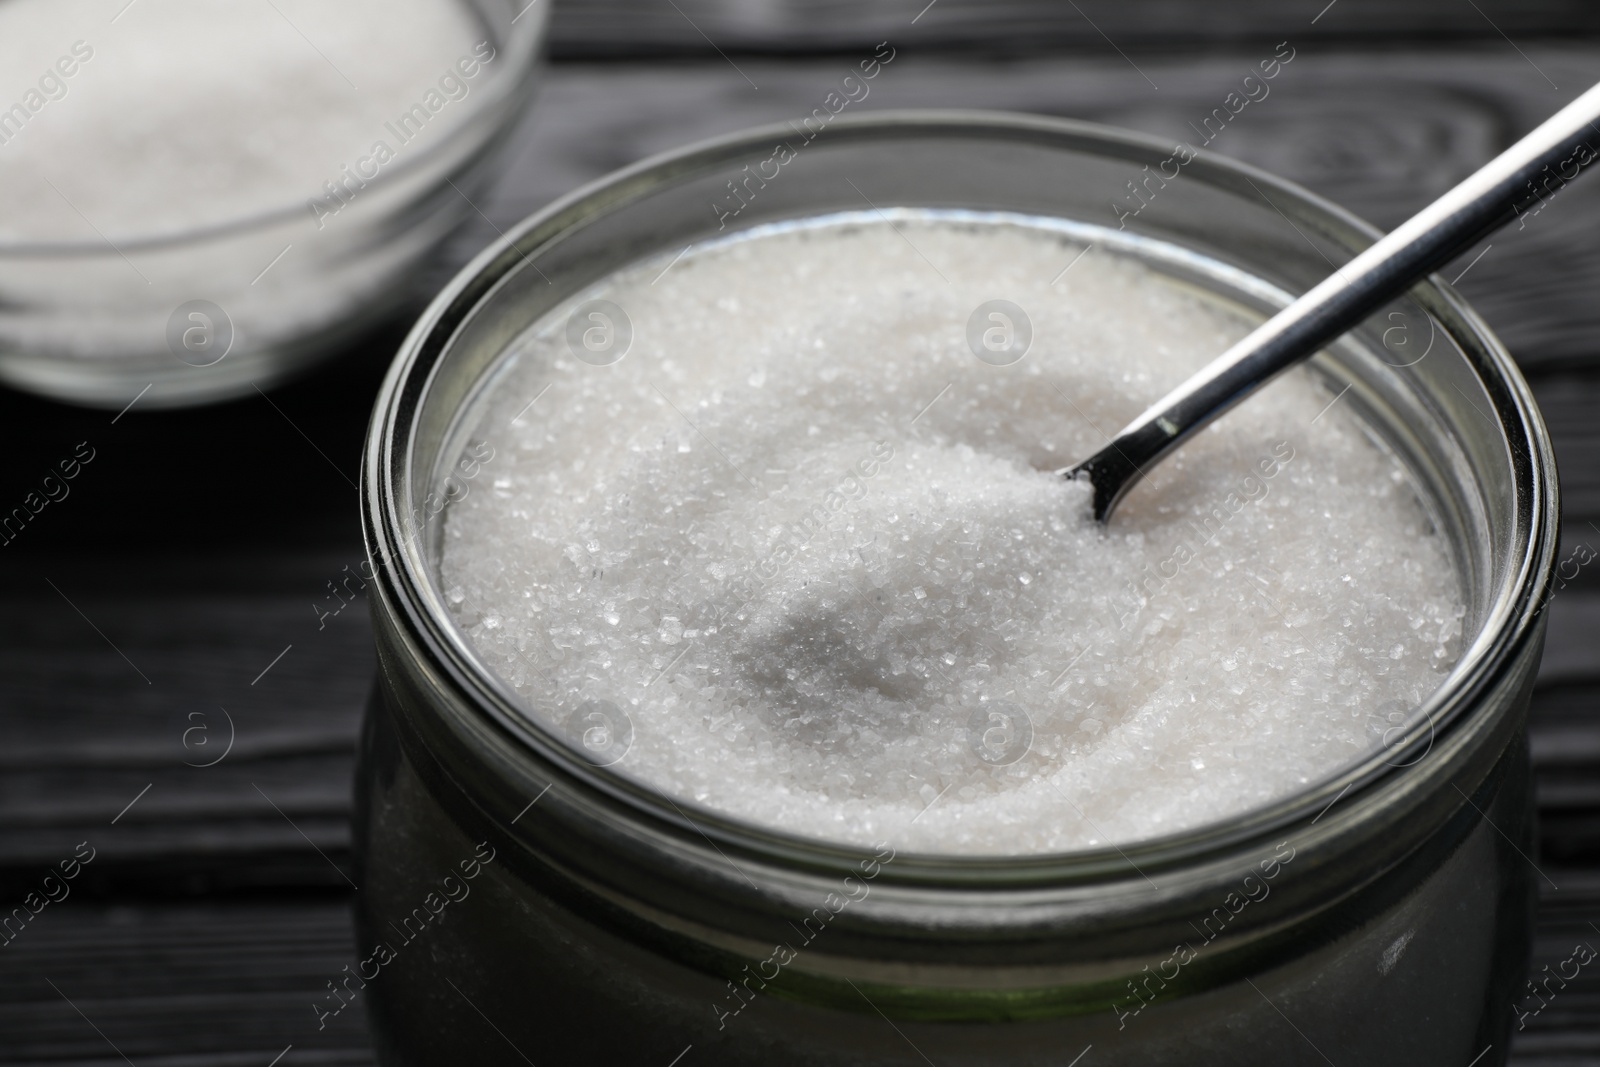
[{"x": 202, "y": 197}]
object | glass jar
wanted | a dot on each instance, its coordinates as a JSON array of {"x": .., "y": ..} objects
[
  {"x": 519, "y": 903},
  {"x": 203, "y": 315}
]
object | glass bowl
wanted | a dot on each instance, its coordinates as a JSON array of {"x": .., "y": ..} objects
[{"x": 180, "y": 318}]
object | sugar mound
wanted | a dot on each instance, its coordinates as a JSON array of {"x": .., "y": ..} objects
[
  {"x": 799, "y": 557},
  {"x": 121, "y": 121}
]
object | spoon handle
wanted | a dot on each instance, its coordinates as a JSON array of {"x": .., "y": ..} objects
[{"x": 1503, "y": 189}]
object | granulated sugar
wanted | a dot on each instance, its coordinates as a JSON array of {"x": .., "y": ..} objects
[
  {"x": 799, "y": 556},
  {"x": 124, "y": 120}
]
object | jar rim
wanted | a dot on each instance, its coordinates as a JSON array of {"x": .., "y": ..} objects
[{"x": 1509, "y": 621}]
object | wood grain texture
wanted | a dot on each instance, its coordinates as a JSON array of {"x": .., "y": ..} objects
[
  {"x": 632, "y": 28},
  {"x": 193, "y": 549},
  {"x": 179, "y": 985},
  {"x": 1565, "y": 1030}
]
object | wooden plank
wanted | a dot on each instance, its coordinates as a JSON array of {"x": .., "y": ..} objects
[
  {"x": 1563, "y": 1031},
  {"x": 84, "y": 733},
  {"x": 618, "y": 28},
  {"x": 179, "y": 985}
]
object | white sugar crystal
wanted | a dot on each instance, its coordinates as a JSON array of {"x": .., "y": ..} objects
[
  {"x": 811, "y": 546},
  {"x": 166, "y": 116}
]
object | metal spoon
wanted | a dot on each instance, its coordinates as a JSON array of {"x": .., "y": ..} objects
[{"x": 1508, "y": 185}]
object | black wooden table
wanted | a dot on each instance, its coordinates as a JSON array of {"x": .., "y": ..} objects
[{"x": 179, "y": 596}]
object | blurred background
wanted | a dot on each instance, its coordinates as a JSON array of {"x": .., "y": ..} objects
[{"x": 183, "y": 653}]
